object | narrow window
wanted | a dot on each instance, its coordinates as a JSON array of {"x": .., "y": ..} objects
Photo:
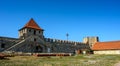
[
  {"x": 39, "y": 31},
  {"x": 35, "y": 39},
  {"x": 34, "y": 32}
]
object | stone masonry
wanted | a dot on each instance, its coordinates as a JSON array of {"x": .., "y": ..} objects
[{"x": 32, "y": 40}]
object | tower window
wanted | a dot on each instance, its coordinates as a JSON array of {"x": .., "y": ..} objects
[
  {"x": 29, "y": 30},
  {"x": 34, "y": 32},
  {"x": 39, "y": 31}
]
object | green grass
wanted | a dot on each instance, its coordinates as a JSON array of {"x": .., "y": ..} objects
[{"x": 79, "y": 60}]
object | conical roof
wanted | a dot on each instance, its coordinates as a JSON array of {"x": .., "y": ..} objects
[{"x": 32, "y": 24}]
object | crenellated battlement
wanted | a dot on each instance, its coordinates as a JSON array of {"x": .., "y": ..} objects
[{"x": 61, "y": 41}]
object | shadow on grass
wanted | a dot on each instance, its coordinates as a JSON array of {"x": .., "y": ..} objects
[{"x": 5, "y": 58}]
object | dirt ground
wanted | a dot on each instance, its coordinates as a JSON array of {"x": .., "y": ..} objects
[{"x": 117, "y": 64}]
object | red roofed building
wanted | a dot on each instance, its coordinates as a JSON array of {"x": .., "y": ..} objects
[
  {"x": 31, "y": 28},
  {"x": 32, "y": 24},
  {"x": 112, "y": 47}
]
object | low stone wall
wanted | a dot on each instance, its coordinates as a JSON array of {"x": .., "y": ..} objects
[
  {"x": 52, "y": 54},
  {"x": 107, "y": 52}
]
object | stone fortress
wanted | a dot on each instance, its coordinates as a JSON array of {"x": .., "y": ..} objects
[{"x": 32, "y": 40}]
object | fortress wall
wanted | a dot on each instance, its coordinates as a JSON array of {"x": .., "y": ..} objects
[
  {"x": 51, "y": 45},
  {"x": 63, "y": 46},
  {"x": 67, "y": 48},
  {"x": 6, "y": 42},
  {"x": 61, "y": 41}
]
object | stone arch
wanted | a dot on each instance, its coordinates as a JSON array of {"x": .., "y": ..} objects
[{"x": 39, "y": 49}]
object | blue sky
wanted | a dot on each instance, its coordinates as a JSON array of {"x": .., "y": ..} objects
[{"x": 78, "y": 18}]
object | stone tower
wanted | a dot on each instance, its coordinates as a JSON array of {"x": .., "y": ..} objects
[
  {"x": 31, "y": 29},
  {"x": 90, "y": 40}
]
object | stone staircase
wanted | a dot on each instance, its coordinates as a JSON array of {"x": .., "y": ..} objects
[
  {"x": 25, "y": 45},
  {"x": 17, "y": 45},
  {"x": 8, "y": 42}
]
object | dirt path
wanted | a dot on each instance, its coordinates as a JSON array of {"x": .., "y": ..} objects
[{"x": 117, "y": 64}]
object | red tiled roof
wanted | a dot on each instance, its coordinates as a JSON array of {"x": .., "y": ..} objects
[
  {"x": 113, "y": 45},
  {"x": 32, "y": 24}
]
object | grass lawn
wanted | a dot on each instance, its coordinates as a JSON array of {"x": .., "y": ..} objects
[{"x": 79, "y": 60}]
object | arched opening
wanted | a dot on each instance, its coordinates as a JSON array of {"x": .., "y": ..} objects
[
  {"x": 35, "y": 39},
  {"x": 38, "y": 49}
]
